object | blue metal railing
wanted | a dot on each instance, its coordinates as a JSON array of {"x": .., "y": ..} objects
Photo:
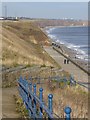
[
  {"x": 28, "y": 93},
  {"x": 61, "y": 79}
]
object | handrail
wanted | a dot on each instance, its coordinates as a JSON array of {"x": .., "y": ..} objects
[
  {"x": 31, "y": 100},
  {"x": 61, "y": 79}
]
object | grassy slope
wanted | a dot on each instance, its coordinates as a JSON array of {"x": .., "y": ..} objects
[{"x": 22, "y": 44}]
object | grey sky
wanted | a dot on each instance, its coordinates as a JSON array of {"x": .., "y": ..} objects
[{"x": 76, "y": 10}]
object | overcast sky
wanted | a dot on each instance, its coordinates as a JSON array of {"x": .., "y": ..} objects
[{"x": 76, "y": 10}]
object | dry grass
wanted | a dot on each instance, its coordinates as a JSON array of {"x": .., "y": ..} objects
[
  {"x": 22, "y": 44},
  {"x": 73, "y": 96},
  {"x": 69, "y": 96}
]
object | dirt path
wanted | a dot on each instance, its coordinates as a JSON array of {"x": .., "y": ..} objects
[
  {"x": 8, "y": 103},
  {"x": 78, "y": 74}
]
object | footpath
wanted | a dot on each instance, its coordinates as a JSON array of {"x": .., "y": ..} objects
[
  {"x": 78, "y": 74},
  {"x": 8, "y": 103}
]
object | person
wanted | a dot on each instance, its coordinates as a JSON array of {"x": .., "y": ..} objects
[
  {"x": 64, "y": 61},
  {"x": 60, "y": 48},
  {"x": 67, "y": 61}
]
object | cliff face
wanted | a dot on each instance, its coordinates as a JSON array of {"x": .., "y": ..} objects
[{"x": 22, "y": 44}]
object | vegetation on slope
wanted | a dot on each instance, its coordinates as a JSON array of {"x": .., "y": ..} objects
[{"x": 22, "y": 44}]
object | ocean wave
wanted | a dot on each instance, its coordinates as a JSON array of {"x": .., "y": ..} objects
[
  {"x": 83, "y": 57},
  {"x": 52, "y": 37},
  {"x": 81, "y": 54},
  {"x": 50, "y": 29}
]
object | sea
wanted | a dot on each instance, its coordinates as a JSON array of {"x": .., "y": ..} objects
[{"x": 73, "y": 37}]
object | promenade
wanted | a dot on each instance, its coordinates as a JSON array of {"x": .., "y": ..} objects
[{"x": 78, "y": 74}]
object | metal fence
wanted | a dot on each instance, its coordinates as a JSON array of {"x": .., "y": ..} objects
[
  {"x": 71, "y": 81},
  {"x": 35, "y": 104}
]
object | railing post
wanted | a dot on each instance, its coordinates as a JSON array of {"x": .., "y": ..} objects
[
  {"x": 34, "y": 89},
  {"x": 34, "y": 100},
  {"x": 30, "y": 78},
  {"x": 30, "y": 101},
  {"x": 26, "y": 95},
  {"x": 72, "y": 81},
  {"x": 20, "y": 79},
  {"x": 50, "y": 103},
  {"x": 67, "y": 110},
  {"x": 41, "y": 99},
  {"x": 30, "y": 87}
]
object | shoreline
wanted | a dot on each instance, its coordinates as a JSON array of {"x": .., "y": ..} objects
[
  {"x": 64, "y": 26},
  {"x": 70, "y": 53}
]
